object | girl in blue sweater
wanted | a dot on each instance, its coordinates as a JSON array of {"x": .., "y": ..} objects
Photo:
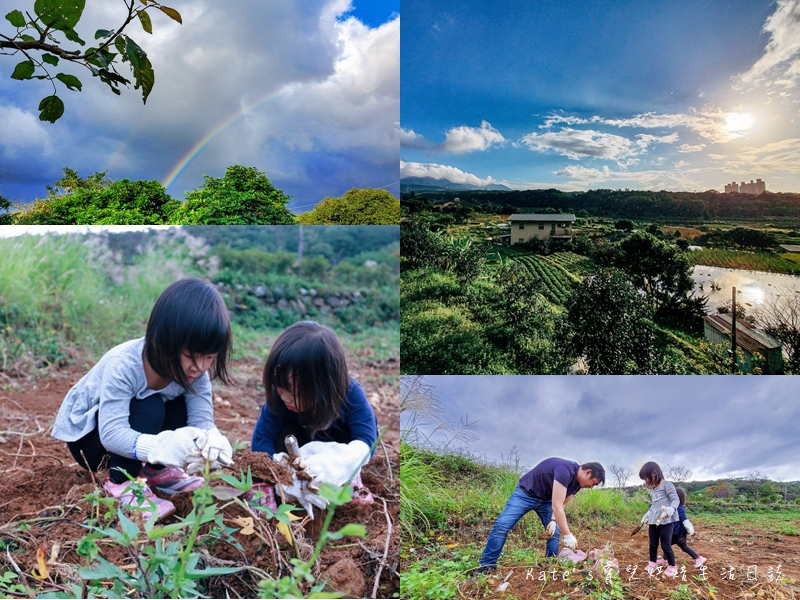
[{"x": 310, "y": 395}]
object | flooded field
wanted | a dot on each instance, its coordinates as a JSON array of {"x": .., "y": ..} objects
[{"x": 753, "y": 288}]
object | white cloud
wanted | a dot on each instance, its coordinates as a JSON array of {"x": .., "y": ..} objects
[
  {"x": 643, "y": 140},
  {"x": 437, "y": 171},
  {"x": 22, "y": 130},
  {"x": 585, "y": 178},
  {"x": 413, "y": 141},
  {"x": 460, "y": 140},
  {"x": 681, "y": 164},
  {"x": 691, "y": 148},
  {"x": 580, "y": 143},
  {"x": 780, "y": 63}
]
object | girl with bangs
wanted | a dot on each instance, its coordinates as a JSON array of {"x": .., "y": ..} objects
[
  {"x": 310, "y": 395},
  {"x": 145, "y": 408}
]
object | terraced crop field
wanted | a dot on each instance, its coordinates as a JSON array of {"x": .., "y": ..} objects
[{"x": 557, "y": 282}]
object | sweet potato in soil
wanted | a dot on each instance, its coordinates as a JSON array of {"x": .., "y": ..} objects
[{"x": 40, "y": 483}]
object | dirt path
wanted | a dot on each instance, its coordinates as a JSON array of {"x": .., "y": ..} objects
[
  {"x": 739, "y": 549},
  {"x": 39, "y": 479}
]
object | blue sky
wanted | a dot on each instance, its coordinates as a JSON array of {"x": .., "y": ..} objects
[
  {"x": 715, "y": 426},
  {"x": 681, "y": 95},
  {"x": 305, "y": 90}
]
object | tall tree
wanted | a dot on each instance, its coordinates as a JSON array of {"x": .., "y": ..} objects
[
  {"x": 48, "y": 37},
  {"x": 364, "y": 206}
]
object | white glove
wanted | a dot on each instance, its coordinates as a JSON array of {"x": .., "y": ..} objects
[
  {"x": 299, "y": 492},
  {"x": 666, "y": 513},
  {"x": 218, "y": 448},
  {"x": 170, "y": 448},
  {"x": 645, "y": 517},
  {"x": 550, "y": 529},
  {"x": 334, "y": 463},
  {"x": 283, "y": 459},
  {"x": 570, "y": 541},
  {"x": 689, "y": 527}
]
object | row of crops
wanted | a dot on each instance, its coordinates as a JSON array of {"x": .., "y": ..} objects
[
  {"x": 556, "y": 281},
  {"x": 754, "y": 261}
]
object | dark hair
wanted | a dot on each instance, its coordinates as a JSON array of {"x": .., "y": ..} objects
[
  {"x": 189, "y": 316},
  {"x": 598, "y": 472},
  {"x": 308, "y": 360},
  {"x": 651, "y": 473},
  {"x": 681, "y": 495}
]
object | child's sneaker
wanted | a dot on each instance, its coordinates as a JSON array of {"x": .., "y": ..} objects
[
  {"x": 651, "y": 566},
  {"x": 121, "y": 492},
  {"x": 671, "y": 571},
  {"x": 662, "y": 562},
  {"x": 361, "y": 494},
  {"x": 268, "y": 499},
  {"x": 699, "y": 562},
  {"x": 171, "y": 480}
]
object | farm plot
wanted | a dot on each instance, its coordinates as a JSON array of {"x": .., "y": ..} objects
[
  {"x": 46, "y": 504},
  {"x": 556, "y": 281}
]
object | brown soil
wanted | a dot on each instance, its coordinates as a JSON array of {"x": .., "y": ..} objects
[
  {"x": 40, "y": 483},
  {"x": 719, "y": 545}
]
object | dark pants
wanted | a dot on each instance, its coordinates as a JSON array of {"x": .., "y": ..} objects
[
  {"x": 663, "y": 534},
  {"x": 147, "y": 415},
  {"x": 681, "y": 543}
]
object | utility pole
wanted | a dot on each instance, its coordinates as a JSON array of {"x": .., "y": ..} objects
[{"x": 733, "y": 332}]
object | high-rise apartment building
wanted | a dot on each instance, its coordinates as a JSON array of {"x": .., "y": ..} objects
[{"x": 754, "y": 187}]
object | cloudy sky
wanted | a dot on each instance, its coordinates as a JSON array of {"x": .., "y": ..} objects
[
  {"x": 680, "y": 95},
  {"x": 715, "y": 426},
  {"x": 306, "y": 91}
]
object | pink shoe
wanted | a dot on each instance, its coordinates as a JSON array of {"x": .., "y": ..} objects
[
  {"x": 671, "y": 571},
  {"x": 699, "y": 562},
  {"x": 662, "y": 562},
  {"x": 265, "y": 498},
  {"x": 651, "y": 566},
  {"x": 361, "y": 494},
  {"x": 171, "y": 480},
  {"x": 124, "y": 493}
]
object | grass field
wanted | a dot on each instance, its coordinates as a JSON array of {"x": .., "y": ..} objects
[{"x": 754, "y": 261}]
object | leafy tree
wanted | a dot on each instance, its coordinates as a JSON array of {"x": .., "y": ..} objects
[
  {"x": 656, "y": 267},
  {"x": 607, "y": 322},
  {"x": 624, "y": 225},
  {"x": 244, "y": 196},
  {"x": 99, "y": 201},
  {"x": 682, "y": 243},
  {"x": 48, "y": 37},
  {"x": 5, "y": 216},
  {"x": 364, "y": 206}
]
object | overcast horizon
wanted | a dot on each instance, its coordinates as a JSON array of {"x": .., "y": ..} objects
[
  {"x": 718, "y": 427},
  {"x": 683, "y": 96},
  {"x": 307, "y": 92}
]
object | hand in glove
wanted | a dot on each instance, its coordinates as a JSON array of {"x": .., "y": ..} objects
[
  {"x": 218, "y": 448},
  {"x": 299, "y": 492},
  {"x": 645, "y": 518},
  {"x": 550, "y": 529},
  {"x": 570, "y": 541},
  {"x": 689, "y": 527},
  {"x": 172, "y": 448},
  {"x": 666, "y": 513},
  {"x": 332, "y": 462}
]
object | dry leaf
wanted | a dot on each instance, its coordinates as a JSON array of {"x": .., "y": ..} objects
[
  {"x": 284, "y": 529},
  {"x": 246, "y": 524}
]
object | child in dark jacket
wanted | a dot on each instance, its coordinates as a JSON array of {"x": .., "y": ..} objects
[
  {"x": 311, "y": 396},
  {"x": 681, "y": 529}
]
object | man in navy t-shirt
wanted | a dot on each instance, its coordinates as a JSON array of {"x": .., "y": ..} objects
[{"x": 546, "y": 489}]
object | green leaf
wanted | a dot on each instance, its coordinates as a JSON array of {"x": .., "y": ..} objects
[
  {"x": 171, "y": 13},
  {"x": 167, "y": 529},
  {"x": 50, "y": 59},
  {"x": 59, "y": 14},
  {"x": 354, "y": 529},
  {"x": 119, "y": 44},
  {"x": 103, "y": 570},
  {"x": 73, "y": 36},
  {"x": 102, "y": 33},
  {"x": 135, "y": 54},
  {"x": 130, "y": 529},
  {"x": 72, "y": 82},
  {"x": 144, "y": 18},
  {"x": 27, "y": 38},
  {"x": 23, "y": 70},
  {"x": 16, "y": 18},
  {"x": 224, "y": 492}
]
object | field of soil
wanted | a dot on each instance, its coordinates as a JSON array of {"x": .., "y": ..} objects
[
  {"x": 739, "y": 548},
  {"x": 40, "y": 483}
]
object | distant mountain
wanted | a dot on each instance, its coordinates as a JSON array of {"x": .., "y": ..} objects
[{"x": 422, "y": 184}]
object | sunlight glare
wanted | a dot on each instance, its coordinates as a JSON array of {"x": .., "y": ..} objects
[{"x": 738, "y": 121}]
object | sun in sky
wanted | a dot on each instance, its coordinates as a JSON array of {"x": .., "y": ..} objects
[{"x": 736, "y": 123}]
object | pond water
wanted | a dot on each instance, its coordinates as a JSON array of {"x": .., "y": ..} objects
[{"x": 753, "y": 288}]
